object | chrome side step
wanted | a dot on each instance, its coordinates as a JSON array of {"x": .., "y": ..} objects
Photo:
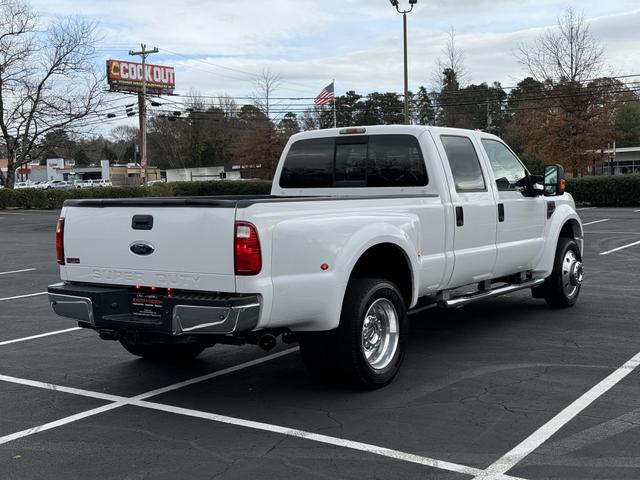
[{"x": 482, "y": 294}]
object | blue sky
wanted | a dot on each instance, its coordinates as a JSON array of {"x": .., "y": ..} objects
[{"x": 358, "y": 42}]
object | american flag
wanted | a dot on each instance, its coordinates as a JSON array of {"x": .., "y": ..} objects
[{"x": 326, "y": 96}]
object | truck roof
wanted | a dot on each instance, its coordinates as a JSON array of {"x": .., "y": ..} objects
[{"x": 415, "y": 130}]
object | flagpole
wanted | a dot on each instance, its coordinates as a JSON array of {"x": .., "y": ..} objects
[{"x": 335, "y": 120}]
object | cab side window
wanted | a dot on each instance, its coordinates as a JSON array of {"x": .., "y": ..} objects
[
  {"x": 509, "y": 172},
  {"x": 464, "y": 163}
]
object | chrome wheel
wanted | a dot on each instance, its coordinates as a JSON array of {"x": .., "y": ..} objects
[
  {"x": 572, "y": 273},
  {"x": 380, "y": 333}
]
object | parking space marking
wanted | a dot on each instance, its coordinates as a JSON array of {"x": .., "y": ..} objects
[
  {"x": 595, "y": 434},
  {"x": 33, "y": 337},
  {"x": 23, "y": 296},
  {"x": 58, "y": 423},
  {"x": 209, "y": 376},
  {"x": 315, "y": 437},
  {"x": 138, "y": 401},
  {"x": 585, "y": 208},
  {"x": 120, "y": 401},
  {"x": 617, "y": 249},
  {"x": 60, "y": 388},
  {"x": 537, "y": 438},
  {"x": 18, "y": 271},
  {"x": 596, "y": 221}
]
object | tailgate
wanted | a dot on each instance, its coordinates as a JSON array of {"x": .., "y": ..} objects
[{"x": 179, "y": 247}]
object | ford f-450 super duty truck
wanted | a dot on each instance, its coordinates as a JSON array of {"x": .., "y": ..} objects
[{"x": 362, "y": 225}]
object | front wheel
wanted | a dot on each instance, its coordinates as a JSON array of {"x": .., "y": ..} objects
[
  {"x": 368, "y": 347},
  {"x": 176, "y": 352},
  {"x": 562, "y": 288}
]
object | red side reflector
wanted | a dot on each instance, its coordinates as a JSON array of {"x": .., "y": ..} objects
[
  {"x": 248, "y": 258},
  {"x": 60, "y": 241}
]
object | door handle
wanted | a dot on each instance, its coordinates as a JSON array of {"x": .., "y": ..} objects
[
  {"x": 501, "y": 212},
  {"x": 459, "y": 216},
  {"x": 142, "y": 222}
]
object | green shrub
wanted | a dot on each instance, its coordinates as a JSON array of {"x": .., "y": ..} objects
[
  {"x": 606, "y": 191},
  {"x": 53, "y": 199}
]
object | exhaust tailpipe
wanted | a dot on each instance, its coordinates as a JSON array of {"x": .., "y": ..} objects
[{"x": 267, "y": 342}]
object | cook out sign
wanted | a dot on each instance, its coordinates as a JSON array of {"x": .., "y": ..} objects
[{"x": 122, "y": 73}]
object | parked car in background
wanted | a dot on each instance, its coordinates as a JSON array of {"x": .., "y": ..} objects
[
  {"x": 54, "y": 184},
  {"x": 94, "y": 183}
]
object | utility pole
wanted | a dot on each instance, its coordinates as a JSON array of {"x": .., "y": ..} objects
[
  {"x": 396, "y": 4},
  {"x": 142, "y": 107}
]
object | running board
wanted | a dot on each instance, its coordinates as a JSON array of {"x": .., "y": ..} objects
[{"x": 482, "y": 294}]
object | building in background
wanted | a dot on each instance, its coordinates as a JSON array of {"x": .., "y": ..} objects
[
  {"x": 619, "y": 161},
  {"x": 201, "y": 174},
  {"x": 130, "y": 175}
]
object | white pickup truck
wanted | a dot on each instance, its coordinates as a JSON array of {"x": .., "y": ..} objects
[{"x": 362, "y": 225}]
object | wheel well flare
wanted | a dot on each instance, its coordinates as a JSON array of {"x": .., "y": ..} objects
[{"x": 387, "y": 261}]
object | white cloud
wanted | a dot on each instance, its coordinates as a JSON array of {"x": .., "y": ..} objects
[{"x": 359, "y": 43}]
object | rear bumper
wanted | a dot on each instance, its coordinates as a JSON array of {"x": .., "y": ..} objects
[{"x": 182, "y": 314}]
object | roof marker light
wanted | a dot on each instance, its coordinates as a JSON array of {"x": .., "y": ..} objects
[{"x": 352, "y": 130}]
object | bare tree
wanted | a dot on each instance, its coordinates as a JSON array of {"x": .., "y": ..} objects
[
  {"x": 575, "y": 113},
  {"x": 451, "y": 59},
  {"x": 267, "y": 83},
  {"x": 567, "y": 53},
  {"x": 48, "y": 80}
]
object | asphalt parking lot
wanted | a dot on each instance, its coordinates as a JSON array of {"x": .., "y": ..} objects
[{"x": 504, "y": 388}]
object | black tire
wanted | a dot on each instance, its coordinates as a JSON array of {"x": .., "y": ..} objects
[
  {"x": 557, "y": 290},
  {"x": 340, "y": 353},
  {"x": 168, "y": 352}
]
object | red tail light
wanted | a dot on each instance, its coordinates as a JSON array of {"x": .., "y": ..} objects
[
  {"x": 248, "y": 259},
  {"x": 60, "y": 241}
]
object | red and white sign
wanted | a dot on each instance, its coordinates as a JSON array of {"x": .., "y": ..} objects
[{"x": 127, "y": 76}]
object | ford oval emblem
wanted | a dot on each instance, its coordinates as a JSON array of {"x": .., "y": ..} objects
[{"x": 142, "y": 248}]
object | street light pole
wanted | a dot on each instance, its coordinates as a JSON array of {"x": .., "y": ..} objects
[{"x": 396, "y": 4}]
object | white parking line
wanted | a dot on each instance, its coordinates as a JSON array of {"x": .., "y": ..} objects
[
  {"x": 596, "y": 221},
  {"x": 314, "y": 437},
  {"x": 33, "y": 337},
  {"x": 617, "y": 249},
  {"x": 59, "y": 423},
  {"x": 537, "y": 438},
  {"x": 23, "y": 296},
  {"x": 120, "y": 401},
  {"x": 60, "y": 388},
  {"x": 209, "y": 376},
  {"x": 636, "y": 211},
  {"x": 18, "y": 271},
  {"x": 585, "y": 208}
]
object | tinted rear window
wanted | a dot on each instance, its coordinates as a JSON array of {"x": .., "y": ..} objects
[
  {"x": 363, "y": 161},
  {"x": 395, "y": 161},
  {"x": 309, "y": 164}
]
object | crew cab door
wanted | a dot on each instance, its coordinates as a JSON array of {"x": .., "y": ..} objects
[
  {"x": 474, "y": 211},
  {"x": 521, "y": 218}
]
